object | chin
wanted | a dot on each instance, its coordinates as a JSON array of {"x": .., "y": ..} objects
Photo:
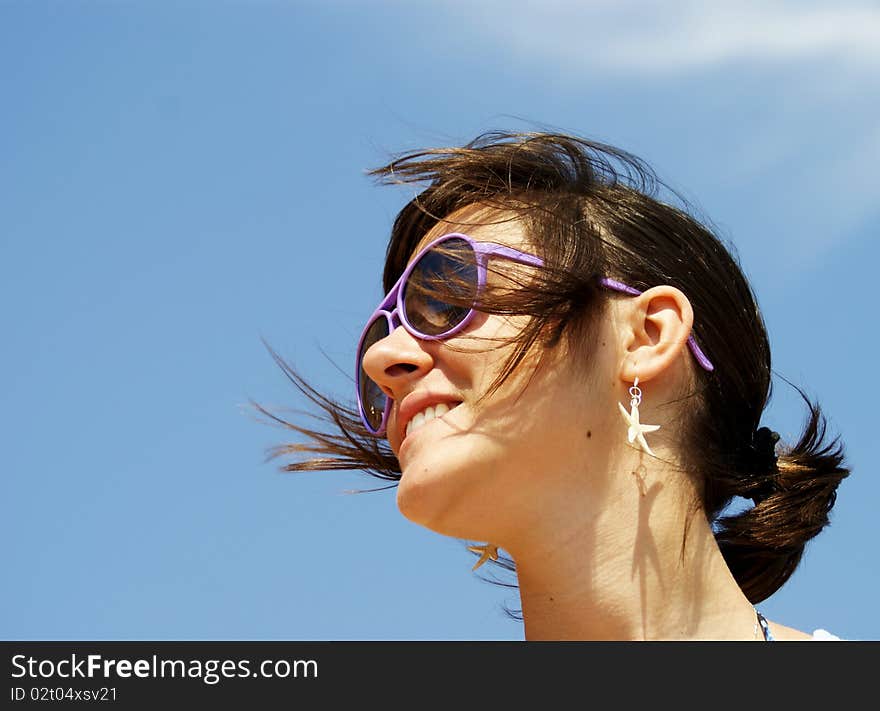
[
  {"x": 416, "y": 502},
  {"x": 435, "y": 494},
  {"x": 425, "y": 496},
  {"x": 449, "y": 489}
]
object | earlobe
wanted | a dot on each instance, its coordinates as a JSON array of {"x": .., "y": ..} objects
[{"x": 661, "y": 320}]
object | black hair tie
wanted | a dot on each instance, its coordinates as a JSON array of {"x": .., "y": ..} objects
[{"x": 764, "y": 461}]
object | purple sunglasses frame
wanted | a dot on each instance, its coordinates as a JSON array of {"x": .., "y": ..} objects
[{"x": 392, "y": 309}]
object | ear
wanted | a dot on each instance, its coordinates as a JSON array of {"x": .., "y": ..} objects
[{"x": 656, "y": 329}]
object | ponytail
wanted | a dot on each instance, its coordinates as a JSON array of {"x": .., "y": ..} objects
[{"x": 793, "y": 497}]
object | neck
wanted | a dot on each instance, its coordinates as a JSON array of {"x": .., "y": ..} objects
[{"x": 604, "y": 581}]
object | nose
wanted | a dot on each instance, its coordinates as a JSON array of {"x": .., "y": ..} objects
[{"x": 397, "y": 360}]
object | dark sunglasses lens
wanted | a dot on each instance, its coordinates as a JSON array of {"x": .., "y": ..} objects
[
  {"x": 441, "y": 288},
  {"x": 372, "y": 397}
]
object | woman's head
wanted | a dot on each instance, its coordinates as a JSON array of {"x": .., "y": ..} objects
[
  {"x": 513, "y": 446},
  {"x": 534, "y": 380},
  {"x": 471, "y": 472}
]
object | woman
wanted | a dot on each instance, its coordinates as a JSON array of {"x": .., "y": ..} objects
[{"x": 567, "y": 369}]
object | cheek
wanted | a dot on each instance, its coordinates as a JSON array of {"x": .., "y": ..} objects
[{"x": 541, "y": 417}]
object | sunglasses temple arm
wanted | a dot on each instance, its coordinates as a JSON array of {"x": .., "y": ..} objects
[
  {"x": 699, "y": 355},
  {"x": 497, "y": 250}
]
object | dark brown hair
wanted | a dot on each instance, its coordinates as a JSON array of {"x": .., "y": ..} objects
[{"x": 592, "y": 210}]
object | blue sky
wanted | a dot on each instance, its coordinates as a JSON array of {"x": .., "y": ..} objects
[{"x": 179, "y": 180}]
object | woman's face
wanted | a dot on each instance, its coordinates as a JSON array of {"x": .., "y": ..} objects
[{"x": 484, "y": 467}]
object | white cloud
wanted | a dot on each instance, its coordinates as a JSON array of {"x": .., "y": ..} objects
[
  {"x": 649, "y": 36},
  {"x": 810, "y": 58},
  {"x": 785, "y": 91}
]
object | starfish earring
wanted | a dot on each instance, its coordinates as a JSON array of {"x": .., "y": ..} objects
[
  {"x": 636, "y": 429},
  {"x": 490, "y": 550}
]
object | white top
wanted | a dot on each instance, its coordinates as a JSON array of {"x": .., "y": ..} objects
[{"x": 821, "y": 635}]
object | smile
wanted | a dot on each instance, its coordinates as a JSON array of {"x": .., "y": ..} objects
[{"x": 432, "y": 412}]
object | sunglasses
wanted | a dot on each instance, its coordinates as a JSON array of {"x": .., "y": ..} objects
[{"x": 460, "y": 264}]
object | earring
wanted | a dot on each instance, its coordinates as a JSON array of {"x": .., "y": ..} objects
[
  {"x": 636, "y": 430},
  {"x": 490, "y": 550}
]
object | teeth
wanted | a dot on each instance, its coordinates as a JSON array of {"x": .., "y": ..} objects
[{"x": 429, "y": 413}]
